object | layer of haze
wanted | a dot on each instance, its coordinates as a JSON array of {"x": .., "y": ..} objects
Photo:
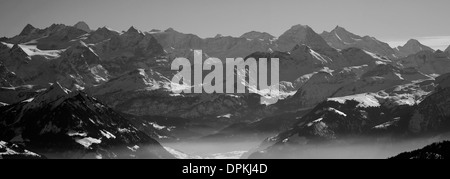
[{"x": 393, "y": 21}]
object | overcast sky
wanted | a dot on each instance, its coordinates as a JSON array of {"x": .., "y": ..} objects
[{"x": 393, "y": 21}]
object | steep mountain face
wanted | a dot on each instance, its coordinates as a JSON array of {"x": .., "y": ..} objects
[
  {"x": 433, "y": 114},
  {"x": 428, "y": 62},
  {"x": 59, "y": 123},
  {"x": 80, "y": 66},
  {"x": 434, "y": 151},
  {"x": 28, "y": 33},
  {"x": 14, "y": 151},
  {"x": 340, "y": 38},
  {"x": 413, "y": 46},
  {"x": 8, "y": 78},
  {"x": 448, "y": 50},
  {"x": 29, "y": 29},
  {"x": 28, "y": 63},
  {"x": 82, "y": 26}
]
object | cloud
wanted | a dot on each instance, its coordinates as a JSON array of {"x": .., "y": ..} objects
[{"x": 435, "y": 42}]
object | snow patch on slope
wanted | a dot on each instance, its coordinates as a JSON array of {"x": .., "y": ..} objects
[{"x": 365, "y": 100}]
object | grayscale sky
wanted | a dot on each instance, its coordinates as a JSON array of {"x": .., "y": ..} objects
[{"x": 393, "y": 21}]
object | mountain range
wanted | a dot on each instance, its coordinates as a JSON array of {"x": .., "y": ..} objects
[{"x": 72, "y": 92}]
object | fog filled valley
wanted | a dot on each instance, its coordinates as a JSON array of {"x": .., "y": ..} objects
[
  {"x": 67, "y": 91},
  {"x": 361, "y": 148}
]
